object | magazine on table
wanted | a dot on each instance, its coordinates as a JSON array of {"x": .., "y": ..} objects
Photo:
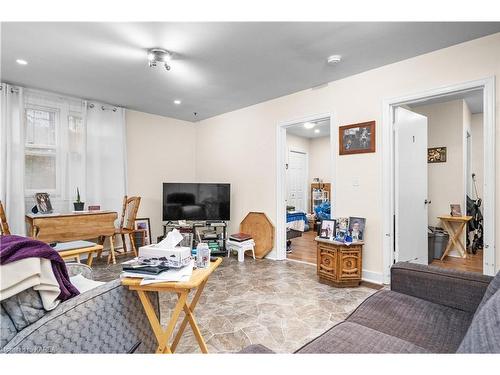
[{"x": 152, "y": 271}]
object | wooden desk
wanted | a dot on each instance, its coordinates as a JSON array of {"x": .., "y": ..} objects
[
  {"x": 455, "y": 233},
  {"x": 198, "y": 281},
  {"x": 73, "y": 226}
]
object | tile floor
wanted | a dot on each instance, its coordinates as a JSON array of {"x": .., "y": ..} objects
[{"x": 279, "y": 304}]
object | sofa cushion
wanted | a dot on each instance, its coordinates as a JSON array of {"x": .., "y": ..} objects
[
  {"x": 348, "y": 337},
  {"x": 24, "y": 308},
  {"x": 493, "y": 287},
  {"x": 437, "y": 328},
  {"x": 7, "y": 328},
  {"x": 483, "y": 335}
]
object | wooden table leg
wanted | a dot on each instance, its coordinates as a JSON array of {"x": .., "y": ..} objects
[
  {"x": 162, "y": 336},
  {"x": 100, "y": 241},
  {"x": 90, "y": 258},
  {"x": 192, "y": 322},
  {"x": 454, "y": 239},
  {"x": 111, "y": 249}
]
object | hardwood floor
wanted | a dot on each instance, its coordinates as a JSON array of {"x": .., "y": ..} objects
[
  {"x": 304, "y": 248},
  {"x": 473, "y": 262}
]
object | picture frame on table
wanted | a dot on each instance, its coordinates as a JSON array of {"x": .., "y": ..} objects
[
  {"x": 357, "y": 228},
  {"x": 455, "y": 210},
  {"x": 43, "y": 203},
  {"x": 143, "y": 224},
  {"x": 327, "y": 229},
  {"x": 357, "y": 138}
]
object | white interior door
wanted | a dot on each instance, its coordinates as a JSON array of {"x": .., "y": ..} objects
[
  {"x": 410, "y": 180},
  {"x": 296, "y": 180}
]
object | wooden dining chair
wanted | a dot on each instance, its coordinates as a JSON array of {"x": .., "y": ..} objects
[
  {"x": 127, "y": 225},
  {"x": 4, "y": 226}
]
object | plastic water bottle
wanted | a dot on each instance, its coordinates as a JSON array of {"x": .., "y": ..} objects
[{"x": 202, "y": 255}]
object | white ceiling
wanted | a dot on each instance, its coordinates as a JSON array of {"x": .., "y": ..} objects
[
  {"x": 474, "y": 100},
  {"x": 218, "y": 67},
  {"x": 300, "y": 131}
]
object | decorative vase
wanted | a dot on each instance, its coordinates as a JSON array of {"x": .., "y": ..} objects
[{"x": 78, "y": 206}]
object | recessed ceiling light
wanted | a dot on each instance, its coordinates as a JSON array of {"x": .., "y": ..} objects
[
  {"x": 316, "y": 130},
  {"x": 21, "y": 62},
  {"x": 309, "y": 125},
  {"x": 177, "y": 101},
  {"x": 334, "y": 59}
]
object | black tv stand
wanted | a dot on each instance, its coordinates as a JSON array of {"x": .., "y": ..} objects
[{"x": 214, "y": 233}]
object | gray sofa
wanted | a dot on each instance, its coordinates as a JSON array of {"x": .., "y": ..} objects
[
  {"x": 106, "y": 319},
  {"x": 427, "y": 310}
]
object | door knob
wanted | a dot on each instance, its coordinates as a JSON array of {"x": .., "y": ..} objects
[{"x": 427, "y": 201}]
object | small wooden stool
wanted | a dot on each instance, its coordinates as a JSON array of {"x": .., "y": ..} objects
[{"x": 455, "y": 233}]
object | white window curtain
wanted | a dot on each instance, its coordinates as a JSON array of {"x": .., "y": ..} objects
[
  {"x": 55, "y": 157},
  {"x": 12, "y": 156},
  {"x": 106, "y": 156},
  {"x": 53, "y": 143}
]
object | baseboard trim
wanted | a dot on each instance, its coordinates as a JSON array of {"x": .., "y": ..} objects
[{"x": 372, "y": 277}]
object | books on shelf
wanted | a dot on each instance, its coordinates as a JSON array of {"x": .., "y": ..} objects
[{"x": 240, "y": 237}]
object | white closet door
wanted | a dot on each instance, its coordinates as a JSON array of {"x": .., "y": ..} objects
[
  {"x": 297, "y": 180},
  {"x": 410, "y": 132}
]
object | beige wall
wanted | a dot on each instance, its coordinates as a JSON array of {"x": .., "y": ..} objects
[
  {"x": 242, "y": 143},
  {"x": 445, "y": 123},
  {"x": 159, "y": 149},
  {"x": 477, "y": 153}
]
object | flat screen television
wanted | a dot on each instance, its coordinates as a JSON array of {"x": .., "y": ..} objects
[{"x": 190, "y": 201}]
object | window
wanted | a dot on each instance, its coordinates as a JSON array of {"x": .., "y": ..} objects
[{"x": 41, "y": 150}]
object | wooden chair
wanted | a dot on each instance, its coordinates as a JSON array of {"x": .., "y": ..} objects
[
  {"x": 127, "y": 225},
  {"x": 4, "y": 226}
]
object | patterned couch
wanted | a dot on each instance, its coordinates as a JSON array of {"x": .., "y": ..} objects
[
  {"x": 427, "y": 310},
  {"x": 106, "y": 319}
]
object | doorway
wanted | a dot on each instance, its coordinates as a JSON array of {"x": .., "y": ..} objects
[
  {"x": 305, "y": 157},
  {"x": 418, "y": 191}
]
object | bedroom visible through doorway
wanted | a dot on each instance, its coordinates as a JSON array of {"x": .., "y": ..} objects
[{"x": 308, "y": 169}]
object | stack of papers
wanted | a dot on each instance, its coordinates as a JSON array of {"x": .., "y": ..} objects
[{"x": 170, "y": 275}]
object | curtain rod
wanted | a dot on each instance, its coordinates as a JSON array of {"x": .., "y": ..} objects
[
  {"x": 92, "y": 105},
  {"x": 12, "y": 89}
]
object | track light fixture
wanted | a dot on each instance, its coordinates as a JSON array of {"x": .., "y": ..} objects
[{"x": 159, "y": 56}]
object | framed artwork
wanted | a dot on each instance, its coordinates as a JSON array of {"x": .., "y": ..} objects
[
  {"x": 143, "y": 226},
  {"x": 456, "y": 210},
  {"x": 436, "y": 155},
  {"x": 357, "y": 228},
  {"x": 43, "y": 203},
  {"x": 357, "y": 138},
  {"x": 327, "y": 229}
]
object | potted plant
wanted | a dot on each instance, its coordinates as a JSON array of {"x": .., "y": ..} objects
[{"x": 78, "y": 204}]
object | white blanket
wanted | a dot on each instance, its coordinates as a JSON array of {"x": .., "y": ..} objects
[{"x": 28, "y": 273}]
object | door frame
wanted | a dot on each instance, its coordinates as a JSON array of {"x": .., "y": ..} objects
[
  {"x": 306, "y": 188},
  {"x": 281, "y": 150},
  {"x": 388, "y": 106}
]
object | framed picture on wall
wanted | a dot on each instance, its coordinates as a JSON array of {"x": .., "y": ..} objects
[
  {"x": 436, "y": 155},
  {"x": 357, "y": 138}
]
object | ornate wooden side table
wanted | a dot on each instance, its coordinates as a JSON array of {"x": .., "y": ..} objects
[{"x": 339, "y": 264}]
